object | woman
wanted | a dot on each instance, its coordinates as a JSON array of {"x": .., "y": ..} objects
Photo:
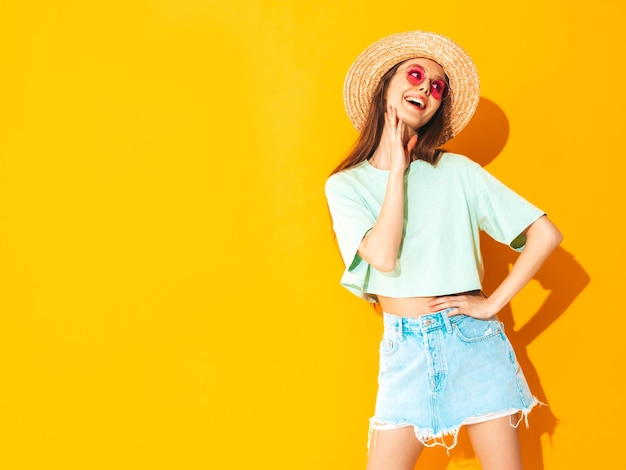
[{"x": 407, "y": 217}]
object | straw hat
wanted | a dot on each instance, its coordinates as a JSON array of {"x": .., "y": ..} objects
[{"x": 377, "y": 59}]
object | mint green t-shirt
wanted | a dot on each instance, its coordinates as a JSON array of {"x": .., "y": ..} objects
[{"x": 446, "y": 207}]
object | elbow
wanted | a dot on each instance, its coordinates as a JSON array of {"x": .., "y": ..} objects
[
  {"x": 383, "y": 260},
  {"x": 384, "y": 265},
  {"x": 545, "y": 232},
  {"x": 557, "y": 237},
  {"x": 553, "y": 235}
]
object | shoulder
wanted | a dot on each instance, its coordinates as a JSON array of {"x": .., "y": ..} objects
[
  {"x": 456, "y": 161},
  {"x": 345, "y": 179},
  {"x": 458, "y": 167}
]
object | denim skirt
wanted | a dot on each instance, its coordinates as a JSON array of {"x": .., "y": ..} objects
[{"x": 438, "y": 373}]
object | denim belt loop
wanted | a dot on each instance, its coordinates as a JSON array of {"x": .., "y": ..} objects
[
  {"x": 400, "y": 329},
  {"x": 446, "y": 320}
]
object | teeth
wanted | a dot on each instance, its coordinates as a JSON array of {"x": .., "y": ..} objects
[{"x": 415, "y": 101}]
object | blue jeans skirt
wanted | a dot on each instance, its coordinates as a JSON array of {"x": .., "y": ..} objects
[{"x": 438, "y": 373}]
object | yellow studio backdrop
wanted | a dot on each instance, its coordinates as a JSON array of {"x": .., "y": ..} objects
[{"x": 169, "y": 283}]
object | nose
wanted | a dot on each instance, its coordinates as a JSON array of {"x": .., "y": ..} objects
[{"x": 425, "y": 86}]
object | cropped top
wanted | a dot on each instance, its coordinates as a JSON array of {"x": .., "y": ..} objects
[{"x": 446, "y": 206}]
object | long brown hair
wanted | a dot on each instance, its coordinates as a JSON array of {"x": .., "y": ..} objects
[{"x": 369, "y": 137}]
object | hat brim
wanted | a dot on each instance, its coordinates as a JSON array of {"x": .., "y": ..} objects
[{"x": 369, "y": 67}]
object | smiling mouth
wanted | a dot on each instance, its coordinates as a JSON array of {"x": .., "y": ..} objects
[{"x": 416, "y": 102}]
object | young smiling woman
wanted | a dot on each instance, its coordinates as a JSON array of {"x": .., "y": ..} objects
[{"x": 407, "y": 217}]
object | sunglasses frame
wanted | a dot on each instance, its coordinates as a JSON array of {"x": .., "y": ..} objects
[{"x": 439, "y": 96}]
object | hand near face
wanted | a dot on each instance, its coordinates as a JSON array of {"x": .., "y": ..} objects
[{"x": 399, "y": 155}]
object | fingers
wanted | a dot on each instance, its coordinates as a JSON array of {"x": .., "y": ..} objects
[
  {"x": 440, "y": 303},
  {"x": 455, "y": 311},
  {"x": 394, "y": 124},
  {"x": 472, "y": 306},
  {"x": 443, "y": 303},
  {"x": 397, "y": 129},
  {"x": 411, "y": 144},
  {"x": 399, "y": 154},
  {"x": 388, "y": 119}
]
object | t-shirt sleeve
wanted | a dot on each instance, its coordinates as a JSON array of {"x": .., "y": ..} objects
[
  {"x": 501, "y": 212},
  {"x": 351, "y": 219}
]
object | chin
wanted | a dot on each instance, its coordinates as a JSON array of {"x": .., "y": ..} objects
[{"x": 412, "y": 124}]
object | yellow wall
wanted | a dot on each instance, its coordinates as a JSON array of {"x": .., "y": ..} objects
[{"x": 169, "y": 293}]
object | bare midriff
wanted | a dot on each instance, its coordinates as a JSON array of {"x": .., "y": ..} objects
[{"x": 412, "y": 306}]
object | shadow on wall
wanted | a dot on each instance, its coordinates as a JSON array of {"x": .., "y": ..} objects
[{"x": 482, "y": 140}]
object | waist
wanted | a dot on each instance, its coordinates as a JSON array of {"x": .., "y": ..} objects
[{"x": 413, "y": 306}]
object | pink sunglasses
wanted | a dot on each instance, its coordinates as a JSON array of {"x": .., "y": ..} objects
[{"x": 416, "y": 75}]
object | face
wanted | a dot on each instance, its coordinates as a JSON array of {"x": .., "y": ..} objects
[{"x": 416, "y": 91}]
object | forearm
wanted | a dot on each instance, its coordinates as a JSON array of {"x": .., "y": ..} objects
[
  {"x": 380, "y": 246},
  {"x": 542, "y": 238}
]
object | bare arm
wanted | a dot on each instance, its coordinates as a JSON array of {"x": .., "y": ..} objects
[
  {"x": 542, "y": 238},
  {"x": 380, "y": 246}
]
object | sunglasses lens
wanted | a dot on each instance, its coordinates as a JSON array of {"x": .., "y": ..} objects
[
  {"x": 439, "y": 89},
  {"x": 415, "y": 75}
]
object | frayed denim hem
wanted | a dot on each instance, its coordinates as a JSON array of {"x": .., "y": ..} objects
[{"x": 429, "y": 438}]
